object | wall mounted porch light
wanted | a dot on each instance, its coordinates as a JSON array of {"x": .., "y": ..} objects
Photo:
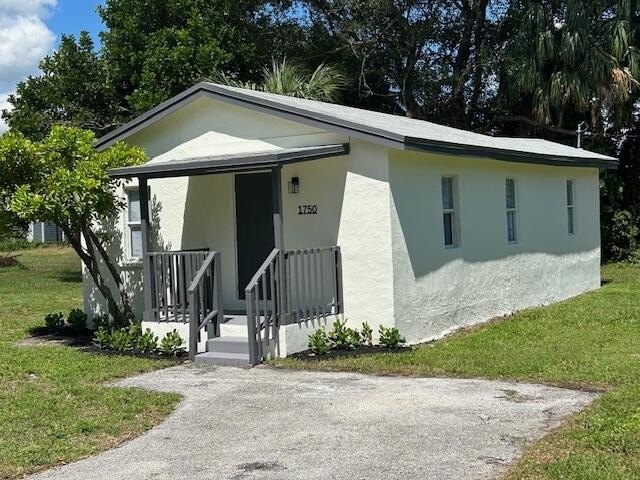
[{"x": 294, "y": 185}]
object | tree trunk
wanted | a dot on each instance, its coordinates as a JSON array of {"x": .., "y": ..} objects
[{"x": 90, "y": 262}]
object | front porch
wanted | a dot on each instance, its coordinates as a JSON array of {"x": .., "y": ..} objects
[
  {"x": 291, "y": 287},
  {"x": 246, "y": 297}
]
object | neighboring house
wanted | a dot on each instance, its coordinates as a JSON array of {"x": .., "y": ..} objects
[
  {"x": 317, "y": 210},
  {"x": 45, "y": 232}
]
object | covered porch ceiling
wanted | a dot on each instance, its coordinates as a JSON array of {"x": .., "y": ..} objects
[{"x": 227, "y": 163}]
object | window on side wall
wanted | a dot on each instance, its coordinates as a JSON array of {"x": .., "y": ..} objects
[
  {"x": 134, "y": 224},
  {"x": 571, "y": 221},
  {"x": 512, "y": 220},
  {"x": 449, "y": 212}
]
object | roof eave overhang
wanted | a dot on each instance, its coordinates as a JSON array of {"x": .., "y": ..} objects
[
  {"x": 378, "y": 136},
  {"x": 230, "y": 163},
  {"x": 419, "y": 145}
]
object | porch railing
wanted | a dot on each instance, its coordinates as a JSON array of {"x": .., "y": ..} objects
[
  {"x": 170, "y": 275},
  {"x": 291, "y": 287},
  {"x": 205, "y": 301},
  {"x": 264, "y": 308}
]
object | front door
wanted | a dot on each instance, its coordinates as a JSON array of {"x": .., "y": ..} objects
[{"x": 254, "y": 225}]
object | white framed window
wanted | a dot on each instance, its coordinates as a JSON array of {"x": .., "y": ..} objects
[
  {"x": 512, "y": 215},
  {"x": 134, "y": 225},
  {"x": 450, "y": 220},
  {"x": 571, "y": 221}
]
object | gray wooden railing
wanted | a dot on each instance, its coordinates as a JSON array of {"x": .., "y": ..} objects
[
  {"x": 205, "y": 301},
  {"x": 263, "y": 308},
  {"x": 314, "y": 283},
  {"x": 291, "y": 287},
  {"x": 170, "y": 275}
]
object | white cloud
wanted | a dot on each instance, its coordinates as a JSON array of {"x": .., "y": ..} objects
[
  {"x": 24, "y": 40},
  {"x": 26, "y": 7},
  {"x": 4, "y": 105}
]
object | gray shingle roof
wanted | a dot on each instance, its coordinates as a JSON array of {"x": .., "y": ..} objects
[{"x": 392, "y": 130}]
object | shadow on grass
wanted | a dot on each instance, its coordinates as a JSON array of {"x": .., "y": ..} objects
[{"x": 70, "y": 276}]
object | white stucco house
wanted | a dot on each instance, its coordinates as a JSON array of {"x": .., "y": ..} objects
[{"x": 259, "y": 218}]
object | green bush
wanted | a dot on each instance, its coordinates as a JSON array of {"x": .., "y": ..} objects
[
  {"x": 135, "y": 332},
  {"x": 343, "y": 337},
  {"x": 77, "y": 319},
  {"x": 172, "y": 344},
  {"x": 54, "y": 321},
  {"x": 367, "y": 334},
  {"x": 121, "y": 340},
  {"x": 102, "y": 338},
  {"x": 102, "y": 320},
  {"x": 147, "y": 342},
  {"x": 319, "y": 342},
  {"x": 13, "y": 244},
  {"x": 390, "y": 337}
]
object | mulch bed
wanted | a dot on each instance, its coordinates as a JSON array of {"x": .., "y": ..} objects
[
  {"x": 7, "y": 261},
  {"x": 309, "y": 356},
  {"x": 41, "y": 336}
]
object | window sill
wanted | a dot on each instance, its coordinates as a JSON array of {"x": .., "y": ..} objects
[{"x": 131, "y": 263}]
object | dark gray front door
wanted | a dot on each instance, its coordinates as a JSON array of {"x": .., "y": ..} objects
[{"x": 254, "y": 224}]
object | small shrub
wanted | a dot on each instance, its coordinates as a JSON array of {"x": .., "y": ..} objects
[
  {"x": 121, "y": 340},
  {"x": 135, "y": 332},
  {"x": 102, "y": 321},
  {"x": 367, "y": 334},
  {"x": 390, "y": 337},
  {"x": 147, "y": 342},
  {"x": 77, "y": 320},
  {"x": 319, "y": 342},
  {"x": 172, "y": 344},
  {"x": 54, "y": 321},
  {"x": 102, "y": 338},
  {"x": 343, "y": 337}
]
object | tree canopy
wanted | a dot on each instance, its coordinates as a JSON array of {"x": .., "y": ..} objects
[{"x": 504, "y": 67}]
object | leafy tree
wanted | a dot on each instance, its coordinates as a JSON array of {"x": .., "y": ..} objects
[
  {"x": 568, "y": 61},
  {"x": 285, "y": 78},
  {"x": 155, "y": 49},
  {"x": 64, "y": 180},
  {"x": 73, "y": 90}
]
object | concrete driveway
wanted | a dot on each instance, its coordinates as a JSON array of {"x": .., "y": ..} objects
[{"x": 275, "y": 424}]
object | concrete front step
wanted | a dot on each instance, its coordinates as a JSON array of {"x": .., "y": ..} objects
[
  {"x": 234, "y": 326},
  {"x": 223, "y": 359},
  {"x": 229, "y": 344}
]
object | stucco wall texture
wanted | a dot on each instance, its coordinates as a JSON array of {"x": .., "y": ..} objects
[{"x": 384, "y": 209}]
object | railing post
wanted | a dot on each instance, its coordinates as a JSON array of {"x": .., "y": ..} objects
[
  {"x": 340, "y": 303},
  {"x": 251, "y": 326},
  {"x": 217, "y": 272},
  {"x": 193, "y": 325}
]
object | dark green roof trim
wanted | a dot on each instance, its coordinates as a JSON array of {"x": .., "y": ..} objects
[{"x": 229, "y": 163}]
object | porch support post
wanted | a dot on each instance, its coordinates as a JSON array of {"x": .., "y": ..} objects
[
  {"x": 278, "y": 235},
  {"x": 146, "y": 247}
]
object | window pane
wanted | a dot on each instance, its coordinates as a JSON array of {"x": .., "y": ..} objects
[
  {"x": 511, "y": 193},
  {"x": 448, "y": 229},
  {"x": 570, "y": 225},
  {"x": 569, "y": 192},
  {"x": 136, "y": 242},
  {"x": 134, "y": 205},
  {"x": 511, "y": 227},
  {"x": 447, "y": 193}
]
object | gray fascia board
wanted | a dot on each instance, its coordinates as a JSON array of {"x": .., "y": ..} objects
[
  {"x": 378, "y": 136},
  {"x": 210, "y": 165},
  {"x": 420, "y": 145}
]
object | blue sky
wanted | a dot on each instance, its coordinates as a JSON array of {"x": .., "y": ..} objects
[
  {"x": 31, "y": 29},
  {"x": 72, "y": 16}
]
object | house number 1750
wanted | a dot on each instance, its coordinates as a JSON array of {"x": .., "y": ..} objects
[{"x": 307, "y": 209}]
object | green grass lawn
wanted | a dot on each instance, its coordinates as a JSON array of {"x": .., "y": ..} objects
[
  {"x": 54, "y": 406},
  {"x": 592, "y": 341}
]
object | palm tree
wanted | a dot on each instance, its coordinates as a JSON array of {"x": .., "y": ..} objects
[
  {"x": 571, "y": 60},
  {"x": 323, "y": 84}
]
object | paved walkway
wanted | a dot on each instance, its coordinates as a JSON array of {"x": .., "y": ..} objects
[{"x": 273, "y": 424}]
